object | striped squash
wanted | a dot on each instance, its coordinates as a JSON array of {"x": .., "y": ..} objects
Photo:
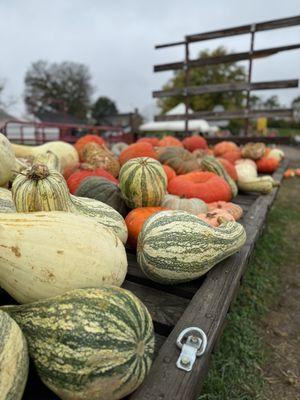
[
  {"x": 6, "y": 202},
  {"x": 210, "y": 163},
  {"x": 143, "y": 182},
  {"x": 45, "y": 189},
  {"x": 13, "y": 359},
  {"x": 176, "y": 246},
  {"x": 94, "y": 344}
]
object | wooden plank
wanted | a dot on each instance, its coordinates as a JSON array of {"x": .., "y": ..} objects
[
  {"x": 226, "y": 87},
  {"x": 244, "y": 29},
  {"x": 215, "y": 116},
  {"x": 165, "y": 308},
  {"x": 207, "y": 310},
  {"x": 228, "y": 58}
]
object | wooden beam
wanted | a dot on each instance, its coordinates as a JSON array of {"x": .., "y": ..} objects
[
  {"x": 226, "y": 87},
  {"x": 228, "y": 58},
  {"x": 240, "y": 30},
  {"x": 215, "y": 116}
]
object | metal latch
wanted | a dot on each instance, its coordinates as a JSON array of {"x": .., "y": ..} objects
[{"x": 194, "y": 346}]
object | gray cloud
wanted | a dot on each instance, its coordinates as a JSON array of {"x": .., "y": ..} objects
[{"x": 116, "y": 40}]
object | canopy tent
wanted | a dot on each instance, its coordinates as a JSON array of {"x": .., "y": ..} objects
[{"x": 176, "y": 126}]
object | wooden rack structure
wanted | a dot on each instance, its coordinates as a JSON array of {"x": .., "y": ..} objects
[{"x": 187, "y": 64}]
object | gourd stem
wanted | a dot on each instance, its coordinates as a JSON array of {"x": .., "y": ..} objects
[{"x": 38, "y": 171}]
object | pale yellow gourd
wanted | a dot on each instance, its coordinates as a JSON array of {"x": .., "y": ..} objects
[
  {"x": 7, "y": 160},
  {"x": 194, "y": 206},
  {"x": 6, "y": 202},
  {"x": 45, "y": 189},
  {"x": 66, "y": 153},
  {"x": 49, "y": 253}
]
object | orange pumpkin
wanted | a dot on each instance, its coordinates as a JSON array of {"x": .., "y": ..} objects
[
  {"x": 80, "y": 143},
  {"x": 297, "y": 171},
  {"x": 290, "y": 173},
  {"x": 141, "y": 149},
  {"x": 267, "y": 164},
  {"x": 70, "y": 169},
  {"x": 135, "y": 220},
  {"x": 230, "y": 168},
  {"x": 152, "y": 140},
  {"x": 78, "y": 176},
  {"x": 206, "y": 186},
  {"x": 224, "y": 147},
  {"x": 170, "y": 141},
  {"x": 194, "y": 142},
  {"x": 232, "y": 155},
  {"x": 169, "y": 172},
  {"x": 235, "y": 210},
  {"x": 216, "y": 217}
]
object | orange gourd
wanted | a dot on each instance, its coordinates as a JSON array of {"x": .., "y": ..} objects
[
  {"x": 235, "y": 210},
  {"x": 140, "y": 149},
  {"x": 80, "y": 143},
  {"x": 216, "y": 217},
  {"x": 224, "y": 147},
  {"x": 152, "y": 140},
  {"x": 297, "y": 171},
  {"x": 169, "y": 172},
  {"x": 135, "y": 220},
  {"x": 267, "y": 165},
  {"x": 289, "y": 173},
  {"x": 194, "y": 143},
  {"x": 230, "y": 168},
  {"x": 232, "y": 155},
  {"x": 206, "y": 186},
  {"x": 170, "y": 141}
]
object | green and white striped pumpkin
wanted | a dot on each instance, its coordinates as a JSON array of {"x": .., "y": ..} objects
[
  {"x": 211, "y": 164},
  {"x": 143, "y": 182},
  {"x": 89, "y": 344},
  {"x": 14, "y": 359},
  {"x": 176, "y": 246},
  {"x": 45, "y": 189}
]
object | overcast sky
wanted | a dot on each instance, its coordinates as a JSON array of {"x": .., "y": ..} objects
[{"x": 116, "y": 40}]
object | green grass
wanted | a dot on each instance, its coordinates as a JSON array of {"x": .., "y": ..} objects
[
  {"x": 236, "y": 369},
  {"x": 287, "y": 131}
]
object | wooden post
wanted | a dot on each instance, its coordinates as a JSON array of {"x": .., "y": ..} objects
[
  {"x": 186, "y": 97},
  {"x": 253, "y": 28}
]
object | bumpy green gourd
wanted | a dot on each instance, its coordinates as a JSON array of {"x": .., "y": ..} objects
[
  {"x": 211, "y": 164},
  {"x": 175, "y": 246},
  {"x": 94, "y": 344}
]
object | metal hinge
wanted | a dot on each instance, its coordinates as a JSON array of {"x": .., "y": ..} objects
[{"x": 194, "y": 346}]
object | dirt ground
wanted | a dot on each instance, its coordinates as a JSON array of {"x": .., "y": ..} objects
[{"x": 282, "y": 326}]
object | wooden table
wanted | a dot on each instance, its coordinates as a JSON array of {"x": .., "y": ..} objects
[{"x": 203, "y": 303}]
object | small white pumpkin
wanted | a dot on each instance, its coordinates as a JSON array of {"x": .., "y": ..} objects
[
  {"x": 246, "y": 170},
  {"x": 276, "y": 153},
  {"x": 193, "y": 206}
]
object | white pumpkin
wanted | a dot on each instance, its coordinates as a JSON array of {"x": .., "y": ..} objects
[
  {"x": 246, "y": 169},
  {"x": 48, "y": 253},
  {"x": 193, "y": 206},
  {"x": 7, "y": 160},
  {"x": 276, "y": 153}
]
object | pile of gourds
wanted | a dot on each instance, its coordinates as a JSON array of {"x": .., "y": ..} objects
[{"x": 62, "y": 249}]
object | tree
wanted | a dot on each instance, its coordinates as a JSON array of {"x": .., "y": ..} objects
[
  {"x": 102, "y": 108},
  {"x": 64, "y": 87},
  {"x": 272, "y": 103},
  {"x": 296, "y": 102},
  {"x": 211, "y": 74}
]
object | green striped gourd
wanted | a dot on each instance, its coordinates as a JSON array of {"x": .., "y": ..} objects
[
  {"x": 211, "y": 164},
  {"x": 143, "y": 182},
  {"x": 13, "y": 359},
  {"x": 45, "y": 189},
  {"x": 89, "y": 344},
  {"x": 176, "y": 246},
  {"x": 6, "y": 202},
  {"x": 48, "y": 253}
]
